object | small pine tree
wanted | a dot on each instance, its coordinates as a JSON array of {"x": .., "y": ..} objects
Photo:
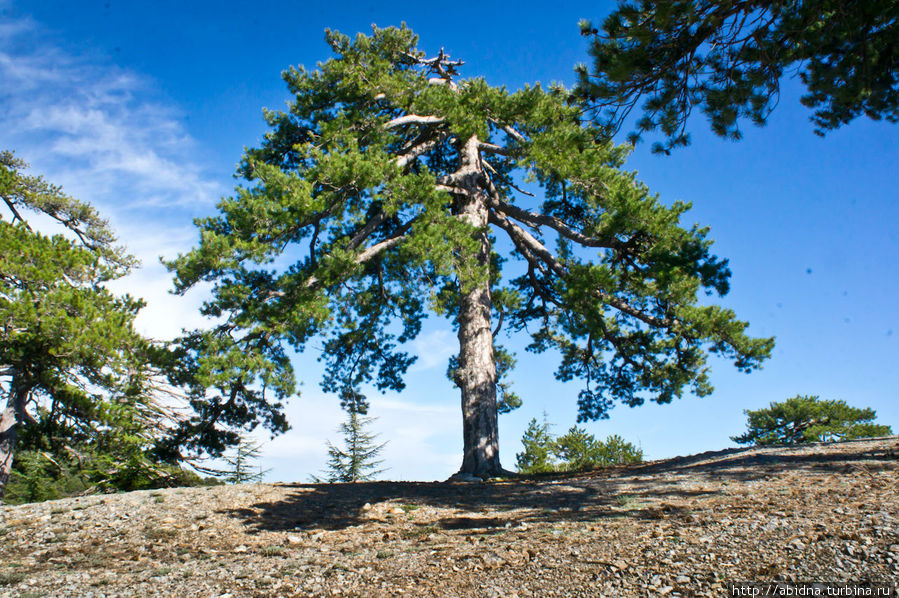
[
  {"x": 809, "y": 419},
  {"x": 577, "y": 449},
  {"x": 358, "y": 460},
  {"x": 581, "y": 451},
  {"x": 242, "y": 463},
  {"x": 574, "y": 451},
  {"x": 538, "y": 455},
  {"x": 615, "y": 450}
]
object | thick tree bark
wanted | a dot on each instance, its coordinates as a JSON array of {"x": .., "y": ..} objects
[
  {"x": 476, "y": 375},
  {"x": 10, "y": 419}
]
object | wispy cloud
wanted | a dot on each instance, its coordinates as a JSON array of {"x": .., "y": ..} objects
[
  {"x": 94, "y": 125},
  {"x": 108, "y": 137},
  {"x": 434, "y": 349}
]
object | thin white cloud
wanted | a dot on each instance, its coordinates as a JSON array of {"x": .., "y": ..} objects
[
  {"x": 434, "y": 349},
  {"x": 94, "y": 126},
  {"x": 103, "y": 133}
]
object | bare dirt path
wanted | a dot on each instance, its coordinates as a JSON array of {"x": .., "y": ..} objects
[{"x": 685, "y": 526}]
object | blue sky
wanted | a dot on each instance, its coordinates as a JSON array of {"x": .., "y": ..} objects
[{"x": 144, "y": 108}]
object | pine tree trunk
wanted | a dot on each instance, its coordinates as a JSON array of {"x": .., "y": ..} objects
[
  {"x": 476, "y": 375},
  {"x": 11, "y": 416}
]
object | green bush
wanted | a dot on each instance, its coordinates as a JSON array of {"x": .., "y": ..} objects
[
  {"x": 36, "y": 478},
  {"x": 809, "y": 419},
  {"x": 39, "y": 475},
  {"x": 576, "y": 450}
]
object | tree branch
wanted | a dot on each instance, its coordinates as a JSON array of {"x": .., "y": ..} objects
[
  {"x": 499, "y": 325},
  {"x": 417, "y": 150},
  {"x": 443, "y": 81},
  {"x": 511, "y": 131},
  {"x": 491, "y": 148},
  {"x": 560, "y": 227},
  {"x": 15, "y": 212},
  {"x": 374, "y": 250},
  {"x": 414, "y": 119},
  {"x": 367, "y": 230},
  {"x": 521, "y": 237},
  {"x": 525, "y": 239}
]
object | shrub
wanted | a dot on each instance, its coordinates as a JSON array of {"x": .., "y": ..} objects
[
  {"x": 809, "y": 419},
  {"x": 576, "y": 450}
]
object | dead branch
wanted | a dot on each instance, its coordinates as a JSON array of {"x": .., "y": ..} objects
[{"x": 413, "y": 119}]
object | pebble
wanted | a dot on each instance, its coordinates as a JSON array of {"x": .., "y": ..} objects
[{"x": 662, "y": 554}]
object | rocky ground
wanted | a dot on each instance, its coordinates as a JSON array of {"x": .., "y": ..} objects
[{"x": 684, "y": 526}]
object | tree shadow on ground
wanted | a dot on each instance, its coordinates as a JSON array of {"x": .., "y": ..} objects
[{"x": 644, "y": 491}]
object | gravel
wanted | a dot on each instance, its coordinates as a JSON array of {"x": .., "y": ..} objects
[{"x": 680, "y": 527}]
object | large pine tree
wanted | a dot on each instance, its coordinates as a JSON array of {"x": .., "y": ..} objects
[
  {"x": 73, "y": 372},
  {"x": 391, "y": 185}
]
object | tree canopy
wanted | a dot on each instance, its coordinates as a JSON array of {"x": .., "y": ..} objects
[
  {"x": 73, "y": 370},
  {"x": 809, "y": 419},
  {"x": 728, "y": 59},
  {"x": 390, "y": 187}
]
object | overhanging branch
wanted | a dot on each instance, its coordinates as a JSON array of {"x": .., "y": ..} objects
[
  {"x": 367, "y": 230},
  {"x": 373, "y": 250},
  {"x": 522, "y": 237},
  {"x": 538, "y": 220},
  {"x": 417, "y": 150},
  {"x": 491, "y": 148}
]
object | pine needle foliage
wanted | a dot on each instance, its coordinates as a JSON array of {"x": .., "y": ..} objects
[
  {"x": 805, "y": 418},
  {"x": 357, "y": 460},
  {"x": 728, "y": 58}
]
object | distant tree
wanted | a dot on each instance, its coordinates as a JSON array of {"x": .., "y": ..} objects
[
  {"x": 809, "y": 419},
  {"x": 728, "y": 58},
  {"x": 378, "y": 193},
  {"x": 73, "y": 372},
  {"x": 357, "y": 460},
  {"x": 579, "y": 450},
  {"x": 243, "y": 463},
  {"x": 538, "y": 455},
  {"x": 576, "y": 450}
]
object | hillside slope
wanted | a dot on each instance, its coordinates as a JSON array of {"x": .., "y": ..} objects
[{"x": 683, "y": 526}]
